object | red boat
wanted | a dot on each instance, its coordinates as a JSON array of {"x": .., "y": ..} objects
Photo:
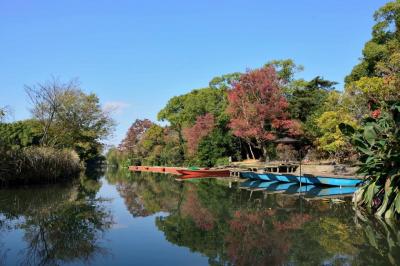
[
  {"x": 204, "y": 173},
  {"x": 172, "y": 170},
  {"x": 155, "y": 169}
]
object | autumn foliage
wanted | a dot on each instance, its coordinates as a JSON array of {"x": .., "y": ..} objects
[
  {"x": 258, "y": 108},
  {"x": 193, "y": 208},
  {"x": 203, "y": 126},
  {"x": 257, "y": 238},
  {"x": 134, "y": 134}
]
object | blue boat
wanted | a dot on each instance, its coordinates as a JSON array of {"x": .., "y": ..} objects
[
  {"x": 306, "y": 179},
  {"x": 255, "y": 176},
  {"x": 296, "y": 188},
  {"x": 278, "y": 186},
  {"x": 331, "y": 191},
  {"x": 273, "y": 186},
  {"x": 330, "y": 181},
  {"x": 250, "y": 184},
  {"x": 255, "y": 184}
]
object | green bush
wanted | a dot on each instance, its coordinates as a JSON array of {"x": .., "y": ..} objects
[
  {"x": 38, "y": 165},
  {"x": 223, "y": 161}
]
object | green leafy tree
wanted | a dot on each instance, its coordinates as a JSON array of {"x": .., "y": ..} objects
[
  {"x": 332, "y": 140},
  {"x": 382, "y": 51},
  {"x": 307, "y": 103},
  {"x": 151, "y": 145},
  {"x": 70, "y": 118},
  {"x": 20, "y": 134}
]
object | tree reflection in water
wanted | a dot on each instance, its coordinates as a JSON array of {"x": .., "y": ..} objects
[
  {"x": 146, "y": 193},
  {"x": 236, "y": 227},
  {"x": 61, "y": 223}
]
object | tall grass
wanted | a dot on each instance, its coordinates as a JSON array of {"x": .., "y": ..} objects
[{"x": 38, "y": 165}]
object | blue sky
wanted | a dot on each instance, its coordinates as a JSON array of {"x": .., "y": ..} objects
[{"x": 137, "y": 54}]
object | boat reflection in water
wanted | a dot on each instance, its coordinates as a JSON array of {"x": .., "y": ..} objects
[
  {"x": 308, "y": 191},
  {"x": 151, "y": 219}
]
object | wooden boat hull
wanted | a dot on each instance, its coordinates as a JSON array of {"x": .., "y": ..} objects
[
  {"x": 155, "y": 169},
  {"x": 312, "y": 180},
  {"x": 172, "y": 170},
  {"x": 204, "y": 173},
  {"x": 133, "y": 168}
]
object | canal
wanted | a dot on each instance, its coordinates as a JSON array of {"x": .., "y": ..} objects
[{"x": 152, "y": 219}]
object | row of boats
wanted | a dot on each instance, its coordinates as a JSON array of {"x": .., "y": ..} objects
[
  {"x": 309, "y": 191},
  {"x": 289, "y": 178},
  {"x": 184, "y": 172}
]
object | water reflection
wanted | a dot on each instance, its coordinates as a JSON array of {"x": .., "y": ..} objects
[
  {"x": 59, "y": 224},
  {"x": 230, "y": 225}
]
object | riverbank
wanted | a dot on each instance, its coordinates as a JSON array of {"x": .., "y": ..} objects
[{"x": 38, "y": 165}]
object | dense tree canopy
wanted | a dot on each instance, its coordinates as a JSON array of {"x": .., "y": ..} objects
[
  {"x": 258, "y": 109},
  {"x": 134, "y": 135}
]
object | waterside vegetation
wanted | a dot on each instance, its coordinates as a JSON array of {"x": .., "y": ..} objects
[{"x": 62, "y": 138}]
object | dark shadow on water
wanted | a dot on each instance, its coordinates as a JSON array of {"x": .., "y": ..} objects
[{"x": 60, "y": 223}]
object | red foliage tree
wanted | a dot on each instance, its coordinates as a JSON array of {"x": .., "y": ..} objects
[
  {"x": 258, "y": 109},
  {"x": 203, "y": 126},
  {"x": 134, "y": 134}
]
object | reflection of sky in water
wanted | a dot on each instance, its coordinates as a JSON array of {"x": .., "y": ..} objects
[
  {"x": 137, "y": 241},
  {"x": 203, "y": 221}
]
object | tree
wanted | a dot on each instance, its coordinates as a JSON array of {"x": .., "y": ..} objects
[
  {"x": 216, "y": 146},
  {"x": 152, "y": 144},
  {"x": 258, "y": 109},
  {"x": 134, "y": 135},
  {"x": 182, "y": 111},
  {"x": 286, "y": 69},
  {"x": 46, "y": 101},
  {"x": 20, "y": 134},
  {"x": 306, "y": 99},
  {"x": 203, "y": 126},
  {"x": 332, "y": 141},
  {"x": 381, "y": 55},
  {"x": 70, "y": 118},
  {"x": 225, "y": 82},
  {"x": 307, "y": 102}
]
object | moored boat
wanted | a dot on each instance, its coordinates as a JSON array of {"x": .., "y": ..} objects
[
  {"x": 204, "y": 173},
  {"x": 155, "y": 169},
  {"x": 172, "y": 170},
  {"x": 305, "y": 179},
  {"x": 331, "y": 191}
]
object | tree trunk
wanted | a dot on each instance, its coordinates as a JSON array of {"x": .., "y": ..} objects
[
  {"x": 265, "y": 153},
  {"x": 251, "y": 150}
]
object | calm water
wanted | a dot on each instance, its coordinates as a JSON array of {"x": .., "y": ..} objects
[{"x": 147, "y": 219}]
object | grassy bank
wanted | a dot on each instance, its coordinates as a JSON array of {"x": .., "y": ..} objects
[{"x": 38, "y": 165}]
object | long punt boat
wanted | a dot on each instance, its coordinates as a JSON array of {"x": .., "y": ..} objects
[
  {"x": 204, "y": 173},
  {"x": 304, "y": 179}
]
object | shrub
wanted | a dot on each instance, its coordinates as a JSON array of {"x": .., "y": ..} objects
[
  {"x": 223, "y": 161},
  {"x": 38, "y": 165}
]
